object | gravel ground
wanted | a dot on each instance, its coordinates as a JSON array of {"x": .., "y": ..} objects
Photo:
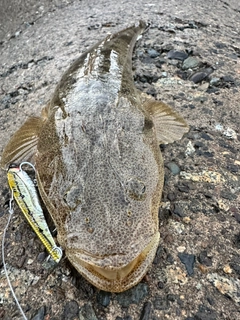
[{"x": 189, "y": 58}]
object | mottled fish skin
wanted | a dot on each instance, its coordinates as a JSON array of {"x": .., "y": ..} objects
[{"x": 99, "y": 167}]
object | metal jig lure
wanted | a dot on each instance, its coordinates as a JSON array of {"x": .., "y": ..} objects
[{"x": 25, "y": 194}]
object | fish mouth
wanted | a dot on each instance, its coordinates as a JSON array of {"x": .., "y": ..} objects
[{"x": 116, "y": 279}]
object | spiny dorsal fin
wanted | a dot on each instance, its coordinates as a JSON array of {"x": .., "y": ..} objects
[
  {"x": 169, "y": 125},
  {"x": 23, "y": 144}
]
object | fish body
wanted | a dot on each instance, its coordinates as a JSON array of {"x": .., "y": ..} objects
[{"x": 98, "y": 163}]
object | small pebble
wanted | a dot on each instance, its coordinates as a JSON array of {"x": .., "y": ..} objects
[
  {"x": 204, "y": 259},
  {"x": 87, "y": 312},
  {"x": 214, "y": 81},
  {"x": 42, "y": 256},
  {"x": 103, "y": 298},
  {"x": 146, "y": 311},
  {"x": 227, "y": 269},
  {"x": 40, "y": 314},
  {"x": 173, "y": 167},
  {"x": 161, "y": 303},
  {"x": 190, "y": 149},
  {"x": 178, "y": 55},
  {"x": 188, "y": 260},
  {"x": 71, "y": 310},
  {"x": 205, "y": 313},
  {"x": 190, "y": 63},
  {"x": 181, "y": 249},
  {"x": 153, "y": 53},
  {"x": 230, "y": 134},
  {"x": 133, "y": 295},
  {"x": 178, "y": 211},
  {"x": 198, "y": 77}
]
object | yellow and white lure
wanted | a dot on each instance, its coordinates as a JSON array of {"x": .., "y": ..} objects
[{"x": 25, "y": 194}]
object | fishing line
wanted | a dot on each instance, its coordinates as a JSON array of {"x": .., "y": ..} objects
[{"x": 3, "y": 257}]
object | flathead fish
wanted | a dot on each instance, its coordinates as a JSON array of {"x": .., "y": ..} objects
[{"x": 99, "y": 168}]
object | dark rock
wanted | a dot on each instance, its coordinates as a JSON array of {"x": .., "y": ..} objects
[
  {"x": 188, "y": 260},
  {"x": 208, "y": 154},
  {"x": 228, "y": 79},
  {"x": 235, "y": 264},
  {"x": 160, "y": 285},
  {"x": 14, "y": 94},
  {"x": 205, "y": 313},
  {"x": 183, "y": 188},
  {"x": 170, "y": 259},
  {"x": 146, "y": 311},
  {"x": 68, "y": 43},
  {"x": 198, "y": 144},
  {"x": 232, "y": 168},
  {"x": 153, "y": 53},
  {"x": 198, "y": 76},
  {"x": 204, "y": 259},
  {"x": 228, "y": 195},
  {"x": 201, "y": 75},
  {"x": 40, "y": 314},
  {"x": 220, "y": 45},
  {"x": 178, "y": 55},
  {"x": 237, "y": 216},
  {"x": 151, "y": 91},
  {"x": 133, "y": 295},
  {"x": 190, "y": 106},
  {"x": 171, "y": 297},
  {"x": 182, "y": 74},
  {"x": 94, "y": 26},
  {"x": 160, "y": 255},
  {"x": 178, "y": 211},
  {"x": 87, "y": 313},
  {"x": 2, "y": 313},
  {"x": 161, "y": 303},
  {"x": 160, "y": 62},
  {"x": 236, "y": 240},
  {"x": 205, "y": 136},
  {"x": 42, "y": 256},
  {"x": 103, "y": 298},
  {"x": 210, "y": 300},
  {"x": 71, "y": 310},
  {"x": 171, "y": 196}
]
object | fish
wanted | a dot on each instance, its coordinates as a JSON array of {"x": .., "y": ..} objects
[{"x": 99, "y": 169}]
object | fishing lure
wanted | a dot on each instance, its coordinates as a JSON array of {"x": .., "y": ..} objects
[{"x": 25, "y": 194}]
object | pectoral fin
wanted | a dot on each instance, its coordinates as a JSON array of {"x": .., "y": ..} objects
[
  {"x": 23, "y": 144},
  {"x": 169, "y": 125}
]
